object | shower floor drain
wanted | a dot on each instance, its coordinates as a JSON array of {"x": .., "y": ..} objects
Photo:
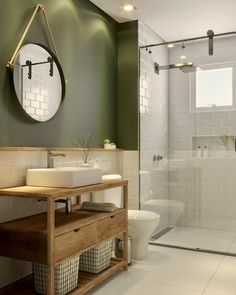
[{"x": 161, "y": 233}]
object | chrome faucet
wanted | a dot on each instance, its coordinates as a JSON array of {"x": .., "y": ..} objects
[{"x": 50, "y": 158}]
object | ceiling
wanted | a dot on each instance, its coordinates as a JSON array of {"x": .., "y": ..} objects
[{"x": 176, "y": 19}]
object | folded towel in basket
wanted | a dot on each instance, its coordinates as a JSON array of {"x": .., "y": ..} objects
[{"x": 93, "y": 206}]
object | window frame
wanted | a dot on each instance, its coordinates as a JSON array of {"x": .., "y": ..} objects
[{"x": 193, "y": 89}]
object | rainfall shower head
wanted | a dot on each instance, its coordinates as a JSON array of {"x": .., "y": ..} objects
[
  {"x": 188, "y": 67},
  {"x": 184, "y": 67}
]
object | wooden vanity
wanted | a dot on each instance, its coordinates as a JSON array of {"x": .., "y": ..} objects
[{"x": 52, "y": 237}]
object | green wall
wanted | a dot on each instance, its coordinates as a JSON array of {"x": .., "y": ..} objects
[
  {"x": 128, "y": 81},
  {"x": 99, "y": 58},
  {"x": 86, "y": 41}
]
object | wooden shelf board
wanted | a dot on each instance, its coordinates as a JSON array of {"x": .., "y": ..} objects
[
  {"x": 45, "y": 149},
  {"x": 38, "y": 192},
  {"x": 87, "y": 281},
  {"x": 37, "y": 224}
]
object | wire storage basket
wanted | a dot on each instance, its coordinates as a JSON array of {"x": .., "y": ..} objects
[
  {"x": 97, "y": 259},
  {"x": 66, "y": 276}
]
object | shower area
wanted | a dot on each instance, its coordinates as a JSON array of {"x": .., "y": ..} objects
[{"x": 187, "y": 143}]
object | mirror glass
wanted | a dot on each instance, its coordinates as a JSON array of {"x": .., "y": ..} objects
[{"x": 39, "y": 82}]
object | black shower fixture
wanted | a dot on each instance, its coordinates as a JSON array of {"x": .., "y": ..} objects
[
  {"x": 156, "y": 68},
  {"x": 149, "y": 50},
  {"x": 50, "y": 60},
  {"x": 186, "y": 67},
  {"x": 29, "y": 64},
  {"x": 210, "y": 35}
]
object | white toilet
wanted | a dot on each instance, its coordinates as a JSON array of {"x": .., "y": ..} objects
[{"x": 141, "y": 223}]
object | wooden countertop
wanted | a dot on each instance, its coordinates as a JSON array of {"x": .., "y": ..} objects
[
  {"x": 45, "y": 149},
  {"x": 38, "y": 192}
]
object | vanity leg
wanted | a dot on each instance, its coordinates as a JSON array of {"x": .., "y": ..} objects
[
  {"x": 50, "y": 245},
  {"x": 125, "y": 249},
  {"x": 125, "y": 233},
  {"x": 78, "y": 200},
  {"x": 125, "y": 196}
]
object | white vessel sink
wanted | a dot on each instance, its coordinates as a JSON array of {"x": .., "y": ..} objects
[{"x": 67, "y": 177}]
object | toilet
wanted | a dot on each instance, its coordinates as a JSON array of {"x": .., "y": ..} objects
[{"x": 141, "y": 223}]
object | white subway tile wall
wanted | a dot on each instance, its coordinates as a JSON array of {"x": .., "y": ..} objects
[
  {"x": 153, "y": 119},
  {"x": 207, "y": 189},
  {"x": 129, "y": 163},
  {"x": 169, "y": 128},
  {"x": 13, "y": 167},
  {"x": 205, "y": 186}
]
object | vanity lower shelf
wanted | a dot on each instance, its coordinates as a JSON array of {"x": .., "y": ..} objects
[
  {"x": 26, "y": 238},
  {"x": 87, "y": 281}
]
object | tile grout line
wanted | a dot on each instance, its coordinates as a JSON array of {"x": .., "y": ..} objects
[{"x": 212, "y": 276}]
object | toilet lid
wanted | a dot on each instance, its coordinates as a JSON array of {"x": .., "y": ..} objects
[{"x": 142, "y": 215}]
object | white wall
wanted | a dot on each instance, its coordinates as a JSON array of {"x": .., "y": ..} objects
[
  {"x": 153, "y": 119},
  {"x": 206, "y": 186}
]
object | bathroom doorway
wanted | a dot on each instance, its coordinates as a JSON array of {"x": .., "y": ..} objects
[{"x": 188, "y": 141}]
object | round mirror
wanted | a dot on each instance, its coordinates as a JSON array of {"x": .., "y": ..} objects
[{"x": 39, "y": 82}]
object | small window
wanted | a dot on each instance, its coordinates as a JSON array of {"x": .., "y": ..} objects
[{"x": 212, "y": 88}]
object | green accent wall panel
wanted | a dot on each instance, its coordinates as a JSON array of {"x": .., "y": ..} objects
[
  {"x": 86, "y": 39},
  {"x": 128, "y": 81}
]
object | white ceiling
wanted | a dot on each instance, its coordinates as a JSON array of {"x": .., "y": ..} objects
[{"x": 177, "y": 19}]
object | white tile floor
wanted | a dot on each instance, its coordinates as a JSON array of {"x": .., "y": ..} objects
[
  {"x": 206, "y": 239},
  {"x": 168, "y": 271}
]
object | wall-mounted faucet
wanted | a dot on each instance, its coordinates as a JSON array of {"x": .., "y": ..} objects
[
  {"x": 157, "y": 158},
  {"x": 50, "y": 158}
]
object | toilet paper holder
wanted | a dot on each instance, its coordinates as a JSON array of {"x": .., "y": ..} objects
[{"x": 119, "y": 248}]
